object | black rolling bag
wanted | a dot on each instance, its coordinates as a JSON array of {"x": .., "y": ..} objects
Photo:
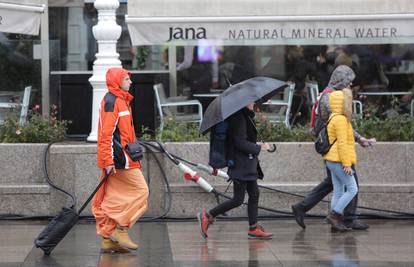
[{"x": 61, "y": 224}]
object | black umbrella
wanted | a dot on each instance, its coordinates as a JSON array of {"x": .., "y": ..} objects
[{"x": 237, "y": 96}]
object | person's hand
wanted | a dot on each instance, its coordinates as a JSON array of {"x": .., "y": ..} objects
[
  {"x": 321, "y": 59},
  {"x": 406, "y": 98},
  {"x": 372, "y": 141},
  {"x": 367, "y": 142},
  {"x": 110, "y": 169},
  {"x": 363, "y": 142},
  {"x": 264, "y": 146},
  {"x": 347, "y": 170}
]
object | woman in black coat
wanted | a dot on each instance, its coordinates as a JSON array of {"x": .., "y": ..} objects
[{"x": 244, "y": 152}]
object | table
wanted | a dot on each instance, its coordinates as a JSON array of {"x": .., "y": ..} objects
[
  {"x": 206, "y": 95},
  {"x": 5, "y": 96},
  {"x": 385, "y": 93},
  {"x": 399, "y": 72},
  {"x": 206, "y": 98},
  {"x": 390, "y": 94}
]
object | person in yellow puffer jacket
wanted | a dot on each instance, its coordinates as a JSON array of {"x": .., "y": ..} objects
[{"x": 341, "y": 157}]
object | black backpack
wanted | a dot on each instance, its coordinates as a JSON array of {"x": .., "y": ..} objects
[
  {"x": 322, "y": 145},
  {"x": 219, "y": 146}
]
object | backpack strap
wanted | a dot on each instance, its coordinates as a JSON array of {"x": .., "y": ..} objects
[
  {"x": 316, "y": 112},
  {"x": 326, "y": 128},
  {"x": 330, "y": 119}
]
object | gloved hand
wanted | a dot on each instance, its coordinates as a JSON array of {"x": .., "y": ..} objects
[{"x": 110, "y": 169}]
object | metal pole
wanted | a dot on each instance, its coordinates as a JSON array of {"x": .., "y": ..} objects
[
  {"x": 45, "y": 65},
  {"x": 172, "y": 67}
]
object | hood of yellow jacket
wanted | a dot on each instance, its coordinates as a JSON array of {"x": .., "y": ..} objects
[{"x": 340, "y": 102}]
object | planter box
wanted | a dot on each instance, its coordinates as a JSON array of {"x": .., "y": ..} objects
[{"x": 385, "y": 174}]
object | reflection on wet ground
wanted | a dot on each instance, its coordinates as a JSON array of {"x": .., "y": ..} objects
[{"x": 178, "y": 244}]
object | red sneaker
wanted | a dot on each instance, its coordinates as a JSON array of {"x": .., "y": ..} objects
[
  {"x": 203, "y": 223},
  {"x": 259, "y": 233},
  {"x": 259, "y": 227}
]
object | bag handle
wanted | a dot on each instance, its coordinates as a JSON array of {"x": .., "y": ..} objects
[
  {"x": 273, "y": 147},
  {"x": 93, "y": 193}
]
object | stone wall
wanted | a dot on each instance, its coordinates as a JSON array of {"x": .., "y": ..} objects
[{"x": 385, "y": 173}]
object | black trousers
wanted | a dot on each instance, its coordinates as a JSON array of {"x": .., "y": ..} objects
[
  {"x": 239, "y": 191},
  {"x": 322, "y": 190}
]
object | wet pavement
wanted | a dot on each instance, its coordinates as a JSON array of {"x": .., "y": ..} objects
[{"x": 179, "y": 244}]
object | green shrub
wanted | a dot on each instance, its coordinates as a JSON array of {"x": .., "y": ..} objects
[
  {"x": 37, "y": 129},
  {"x": 386, "y": 124},
  {"x": 271, "y": 132},
  {"x": 175, "y": 131},
  {"x": 142, "y": 56},
  {"x": 188, "y": 132},
  {"x": 398, "y": 128}
]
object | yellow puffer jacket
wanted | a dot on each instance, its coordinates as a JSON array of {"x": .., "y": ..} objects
[{"x": 340, "y": 128}]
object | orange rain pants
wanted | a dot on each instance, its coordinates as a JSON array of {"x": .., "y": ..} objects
[{"x": 122, "y": 200}]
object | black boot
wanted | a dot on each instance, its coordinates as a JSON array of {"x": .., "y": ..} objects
[
  {"x": 337, "y": 222},
  {"x": 299, "y": 214},
  {"x": 356, "y": 225}
]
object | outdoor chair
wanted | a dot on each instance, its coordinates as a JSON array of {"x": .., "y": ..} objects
[
  {"x": 313, "y": 91},
  {"x": 285, "y": 105},
  {"x": 357, "y": 109},
  {"x": 167, "y": 107},
  {"x": 5, "y": 107}
]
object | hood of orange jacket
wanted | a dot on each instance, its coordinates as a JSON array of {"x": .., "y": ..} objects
[{"x": 114, "y": 79}]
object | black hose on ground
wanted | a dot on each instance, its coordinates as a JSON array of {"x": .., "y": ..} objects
[
  {"x": 49, "y": 181},
  {"x": 168, "y": 201}
]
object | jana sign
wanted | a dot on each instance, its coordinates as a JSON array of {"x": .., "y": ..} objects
[
  {"x": 16, "y": 21},
  {"x": 395, "y": 31}
]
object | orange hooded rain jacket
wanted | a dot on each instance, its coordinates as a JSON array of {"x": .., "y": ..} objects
[{"x": 115, "y": 124}]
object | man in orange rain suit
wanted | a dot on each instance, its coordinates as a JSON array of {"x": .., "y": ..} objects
[{"x": 124, "y": 197}]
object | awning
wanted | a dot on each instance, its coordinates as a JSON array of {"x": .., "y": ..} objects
[
  {"x": 21, "y": 16},
  {"x": 235, "y": 22}
]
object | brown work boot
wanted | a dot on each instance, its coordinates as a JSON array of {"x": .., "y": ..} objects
[
  {"x": 109, "y": 246},
  {"x": 120, "y": 235},
  {"x": 337, "y": 222}
]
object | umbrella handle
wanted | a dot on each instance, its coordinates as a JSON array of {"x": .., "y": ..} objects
[{"x": 273, "y": 149}]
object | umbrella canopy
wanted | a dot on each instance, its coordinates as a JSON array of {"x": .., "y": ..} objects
[{"x": 237, "y": 97}]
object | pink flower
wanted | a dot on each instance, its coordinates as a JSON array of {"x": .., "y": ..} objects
[
  {"x": 36, "y": 107},
  {"x": 18, "y": 132}
]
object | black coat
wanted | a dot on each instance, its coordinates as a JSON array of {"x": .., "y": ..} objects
[{"x": 243, "y": 148}]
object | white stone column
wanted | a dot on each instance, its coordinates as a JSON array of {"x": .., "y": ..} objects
[{"x": 106, "y": 33}]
